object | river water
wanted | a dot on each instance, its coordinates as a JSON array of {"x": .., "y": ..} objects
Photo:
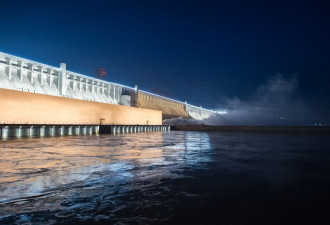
[{"x": 171, "y": 177}]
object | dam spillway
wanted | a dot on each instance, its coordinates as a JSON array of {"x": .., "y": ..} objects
[{"x": 36, "y": 93}]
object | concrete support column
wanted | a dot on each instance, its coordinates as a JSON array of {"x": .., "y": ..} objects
[
  {"x": 18, "y": 131},
  {"x": 20, "y": 74},
  {"x": 41, "y": 75},
  {"x": 86, "y": 84},
  {"x": 31, "y": 131},
  {"x": 42, "y": 131},
  {"x": 52, "y": 131},
  {"x": 70, "y": 130},
  {"x": 114, "y": 92},
  {"x": 80, "y": 84},
  {"x": 113, "y": 129},
  {"x": 51, "y": 78},
  {"x": 9, "y": 69},
  {"x": 31, "y": 72},
  {"x": 108, "y": 92},
  {"x": 62, "y": 79},
  {"x": 4, "y": 132}
]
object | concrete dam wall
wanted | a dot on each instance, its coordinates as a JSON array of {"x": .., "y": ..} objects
[
  {"x": 27, "y": 76},
  {"x": 17, "y": 107}
]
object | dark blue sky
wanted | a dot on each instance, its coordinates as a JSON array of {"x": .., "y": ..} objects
[{"x": 189, "y": 50}]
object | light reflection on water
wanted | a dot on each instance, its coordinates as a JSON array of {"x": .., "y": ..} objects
[
  {"x": 155, "y": 177},
  {"x": 57, "y": 170}
]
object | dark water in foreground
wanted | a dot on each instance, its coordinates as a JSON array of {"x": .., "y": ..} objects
[{"x": 166, "y": 178}]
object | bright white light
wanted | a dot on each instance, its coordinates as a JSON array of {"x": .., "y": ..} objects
[{"x": 222, "y": 112}]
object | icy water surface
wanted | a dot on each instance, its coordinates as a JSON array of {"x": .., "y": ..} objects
[{"x": 166, "y": 178}]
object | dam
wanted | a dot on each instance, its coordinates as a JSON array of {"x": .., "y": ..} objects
[{"x": 34, "y": 93}]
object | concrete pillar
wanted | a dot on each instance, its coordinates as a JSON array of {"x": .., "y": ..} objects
[
  {"x": 52, "y": 130},
  {"x": 9, "y": 69},
  {"x": 4, "y": 132},
  {"x": 31, "y": 131},
  {"x": 80, "y": 84},
  {"x": 108, "y": 92},
  {"x": 62, "y": 79},
  {"x": 31, "y": 72},
  {"x": 86, "y": 84},
  {"x": 42, "y": 131},
  {"x": 102, "y": 89},
  {"x": 113, "y": 129},
  {"x": 41, "y": 75},
  {"x": 18, "y": 131},
  {"x": 70, "y": 130},
  {"x": 20, "y": 64}
]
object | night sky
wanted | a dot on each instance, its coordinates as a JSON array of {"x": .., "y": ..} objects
[{"x": 199, "y": 51}]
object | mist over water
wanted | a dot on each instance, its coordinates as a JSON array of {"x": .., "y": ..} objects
[{"x": 276, "y": 102}]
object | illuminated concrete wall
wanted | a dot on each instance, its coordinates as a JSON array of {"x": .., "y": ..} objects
[
  {"x": 17, "y": 107},
  {"x": 169, "y": 108},
  {"x": 17, "y": 73},
  {"x": 21, "y": 74},
  {"x": 198, "y": 113}
]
